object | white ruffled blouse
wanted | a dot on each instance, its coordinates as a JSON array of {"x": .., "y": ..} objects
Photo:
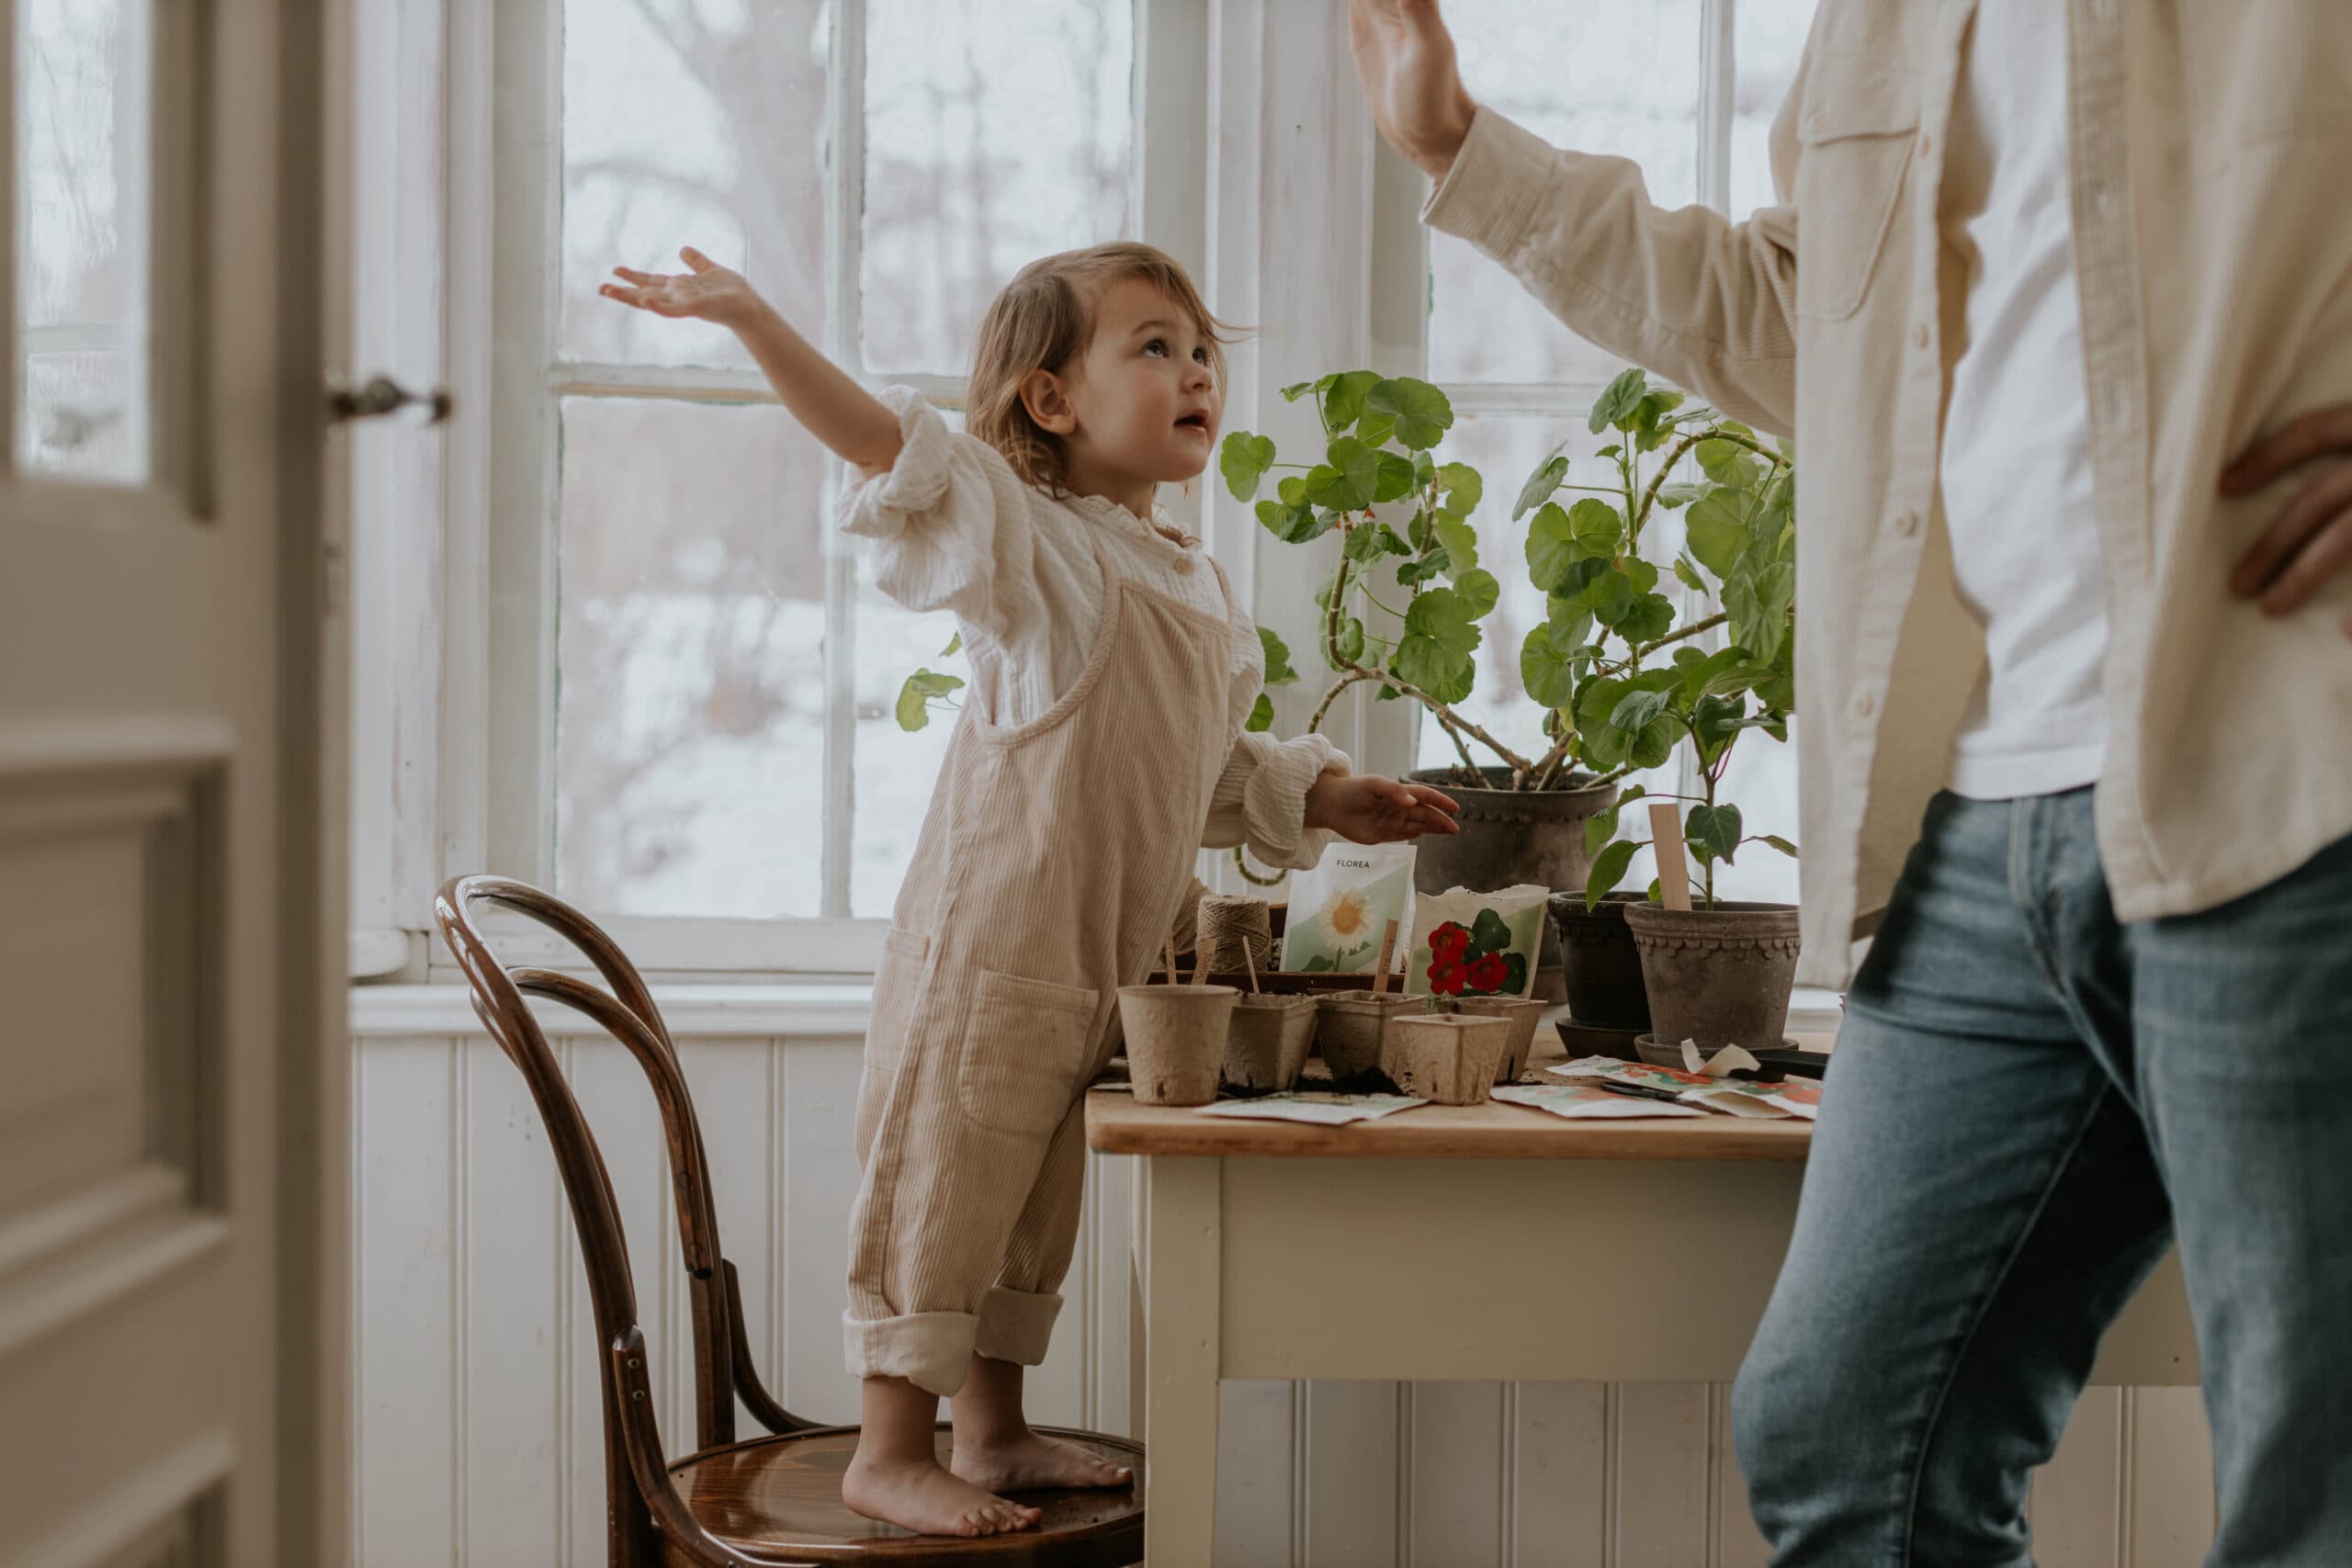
[{"x": 954, "y": 527}]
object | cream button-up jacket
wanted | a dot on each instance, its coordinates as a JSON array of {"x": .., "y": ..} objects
[{"x": 2211, "y": 152}]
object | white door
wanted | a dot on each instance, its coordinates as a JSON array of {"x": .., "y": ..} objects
[{"x": 172, "y": 1093}]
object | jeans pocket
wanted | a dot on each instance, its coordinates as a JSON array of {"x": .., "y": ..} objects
[{"x": 1025, "y": 1052}]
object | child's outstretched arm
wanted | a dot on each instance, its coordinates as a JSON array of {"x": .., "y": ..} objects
[{"x": 820, "y": 393}]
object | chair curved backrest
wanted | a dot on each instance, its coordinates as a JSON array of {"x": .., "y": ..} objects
[{"x": 637, "y": 1482}]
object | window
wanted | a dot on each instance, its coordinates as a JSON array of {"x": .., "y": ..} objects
[
  {"x": 693, "y": 732},
  {"x": 1688, "y": 89},
  {"x": 81, "y": 116}
]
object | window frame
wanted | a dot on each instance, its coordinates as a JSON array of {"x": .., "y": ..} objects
[
  {"x": 1228, "y": 171},
  {"x": 501, "y": 504}
]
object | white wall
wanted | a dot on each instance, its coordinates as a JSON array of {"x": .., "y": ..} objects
[{"x": 476, "y": 1429}]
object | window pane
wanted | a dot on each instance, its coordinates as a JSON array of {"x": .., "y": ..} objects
[
  {"x": 691, "y": 122},
  {"x": 690, "y": 659},
  {"x": 995, "y": 134},
  {"x": 1770, "y": 38},
  {"x": 1762, "y": 782},
  {"x": 82, "y": 91},
  {"x": 1620, "y": 79}
]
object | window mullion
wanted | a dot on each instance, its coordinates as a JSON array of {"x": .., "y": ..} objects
[
  {"x": 844, "y": 240},
  {"x": 1717, "y": 78}
]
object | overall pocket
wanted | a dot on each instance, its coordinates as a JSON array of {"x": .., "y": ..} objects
[
  {"x": 1028, "y": 1043},
  {"x": 898, "y": 983},
  {"x": 1856, "y": 137}
]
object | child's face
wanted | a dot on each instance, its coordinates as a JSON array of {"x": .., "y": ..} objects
[{"x": 1146, "y": 405}]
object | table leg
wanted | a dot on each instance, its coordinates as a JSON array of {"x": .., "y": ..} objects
[{"x": 1182, "y": 1248}]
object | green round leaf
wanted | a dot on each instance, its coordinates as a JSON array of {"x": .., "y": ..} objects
[
  {"x": 1551, "y": 548},
  {"x": 1712, "y": 832},
  {"x": 1394, "y": 480},
  {"x": 1595, "y": 528},
  {"x": 1278, "y": 668},
  {"x": 1461, "y": 542},
  {"x": 1608, "y": 870},
  {"x": 1344, "y": 398},
  {"x": 1617, "y": 404},
  {"x": 1547, "y": 478},
  {"x": 1262, "y": 716},
  {"x": 1488, "y": 933},
  {"x": 1422, "y": 413},
  {"x": 1478, "y": 589},
  {"x": 1545, "y": 670},
  {"x": 1244, "y": 459}
]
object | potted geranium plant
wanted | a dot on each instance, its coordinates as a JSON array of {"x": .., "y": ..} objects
[
  {"x": 1718, "y": 972},
  {"x": 1525, "y": 818}
]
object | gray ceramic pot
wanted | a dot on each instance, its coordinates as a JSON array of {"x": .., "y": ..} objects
[
  {"x": 1599, "y": 963},
  {"x": 1720, "y": 977},
  {"x": 1509, "y": 837}
]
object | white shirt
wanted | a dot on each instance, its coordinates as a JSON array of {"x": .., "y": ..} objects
[
  {"x": 2017, "y": 461},
  {"x": 955, "y": 528}
]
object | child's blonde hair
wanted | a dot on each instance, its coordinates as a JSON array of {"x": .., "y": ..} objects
[{"x": 1043, "y": 321}]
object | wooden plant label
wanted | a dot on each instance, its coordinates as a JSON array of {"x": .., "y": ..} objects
[
  {"x": 1388, "y": 952},
  {"x": 1666, "y": 844}
]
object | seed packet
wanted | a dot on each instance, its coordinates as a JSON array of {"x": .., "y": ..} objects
[
  {"x": 1476, "y": 944},
  {"x": 1339, "y": 908},
  {"x": 1582, "y": 1102},
  {"x": 1323, "y": 1109}
]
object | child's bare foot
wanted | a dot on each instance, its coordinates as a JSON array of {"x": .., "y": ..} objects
[
  {"x": 1031, "y": 1462},
  {"x": 917, "y": 1495}
]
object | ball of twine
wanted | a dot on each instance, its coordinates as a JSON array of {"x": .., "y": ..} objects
[{"x": 1235, "y": 932}]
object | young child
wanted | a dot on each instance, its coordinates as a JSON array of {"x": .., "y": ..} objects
[{"x": 1100, "y": 745}]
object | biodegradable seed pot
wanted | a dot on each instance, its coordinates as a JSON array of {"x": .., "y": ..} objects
[
  {"x": 1175, "y": 1037},
  {"x": 1449, "y": 1057},
  {"x": 1523, "y": 1014},
  {"x": 1351, "y": 1028},
  {"x": 1718, "y": 976},
  {"x": 1599, "y": 963},
  {"x": 1267, "y": 1042}
]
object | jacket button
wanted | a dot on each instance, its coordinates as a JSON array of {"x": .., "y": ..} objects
[
  {"x": 1864, "y": 705},
  {"x": 1919, "y": 335},
  {"x": 1907, "y": 524}
]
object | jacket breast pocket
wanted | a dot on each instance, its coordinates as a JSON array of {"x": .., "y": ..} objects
[
  {"x": 1024, "y": 1053},
  {"x": 1856, "y": 135},
  {"x": 898, "y": 983}
]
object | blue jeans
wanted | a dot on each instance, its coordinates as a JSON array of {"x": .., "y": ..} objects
[{"x": 2029, "y": 1103}]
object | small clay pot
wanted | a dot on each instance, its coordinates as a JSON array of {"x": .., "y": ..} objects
[
  {"x": 1175, "y": 1038},
  {"x": 1601, "y": 967},
  {"x": 1267, "y": 1043},
  {"x": 1350, "y": 1029},
  {"x": 1449, "y": 1057},
  {"x": 1524, "y": 1013},
  {"x": 1718, "y": 976}
]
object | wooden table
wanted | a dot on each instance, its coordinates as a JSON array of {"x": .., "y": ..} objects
[{"x": 1380, "y": 1250}]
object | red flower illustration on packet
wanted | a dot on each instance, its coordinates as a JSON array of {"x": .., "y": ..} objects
[{"x": 1457, "y": 965}]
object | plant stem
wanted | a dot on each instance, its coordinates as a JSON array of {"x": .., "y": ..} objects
[
  {"x": 1454, "y": 726},
  {"x": 1694, "y": 629},
  {"x": 1324, "y": 707}
]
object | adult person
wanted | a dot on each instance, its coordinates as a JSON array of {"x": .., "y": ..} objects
[{"x": 2077, "y": 711}]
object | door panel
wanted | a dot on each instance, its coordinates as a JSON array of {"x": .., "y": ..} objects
[{"x": 171, "y": 1086}]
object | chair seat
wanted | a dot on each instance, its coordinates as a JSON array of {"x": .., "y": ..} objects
[{"x": 781, "y": 1497}]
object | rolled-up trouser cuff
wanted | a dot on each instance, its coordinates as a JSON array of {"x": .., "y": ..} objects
[
  {"x": 931, "y": 1350},
  {"x": 1017, "y": 1325}
]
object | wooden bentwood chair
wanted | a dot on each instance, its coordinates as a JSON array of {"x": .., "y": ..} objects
[{"x": 763, "y": 1502}]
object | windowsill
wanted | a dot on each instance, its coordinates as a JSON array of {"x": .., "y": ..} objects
[
  {"x": 758, "y": 1011},
  {"x": 828, "y": 1010}
]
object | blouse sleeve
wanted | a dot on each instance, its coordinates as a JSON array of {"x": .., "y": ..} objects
[
  {"x": 949, "y": 520},
  {"x": 1261, "y": 798}
]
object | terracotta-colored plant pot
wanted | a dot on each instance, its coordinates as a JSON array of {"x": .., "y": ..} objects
[
  {"x": 1175, "y": 1038},
  {"x": 1524, "y": 1013},
  {"x": 1267, "y": 1042},
  {"x": 1350, "y": 1029},
  {"x": 1598, "y": 961},
  {"x": 1449, "y": 1057},
  {"x": 1718, "y": 976}
]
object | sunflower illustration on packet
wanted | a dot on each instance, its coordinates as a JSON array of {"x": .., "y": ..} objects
[{"x": 1339, "y": 908}]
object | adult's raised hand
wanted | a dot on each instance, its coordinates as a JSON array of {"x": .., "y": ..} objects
[{"x": 1405, "y": 58}]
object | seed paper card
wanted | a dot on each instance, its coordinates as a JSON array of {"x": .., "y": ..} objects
[
  {"x": 1321, "y": 1109},
  {"x": 1584, "y": 1101}
]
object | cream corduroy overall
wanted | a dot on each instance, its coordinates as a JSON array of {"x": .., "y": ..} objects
[{"x": 1053, "y": 858}]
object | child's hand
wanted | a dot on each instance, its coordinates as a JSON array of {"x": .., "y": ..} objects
[
  {"x": 1368, "y": 809},
  {"x": 709, "y": 291}
]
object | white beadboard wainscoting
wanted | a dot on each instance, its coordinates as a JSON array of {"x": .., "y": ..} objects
[{"x": 477, "y": 1435}]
